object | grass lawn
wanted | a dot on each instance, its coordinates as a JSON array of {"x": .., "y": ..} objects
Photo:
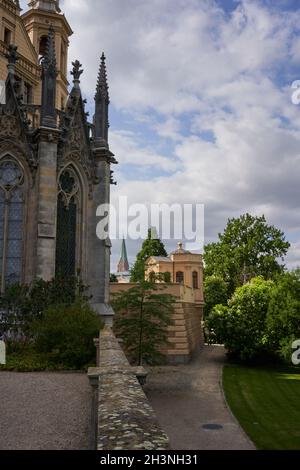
[{"x": 266, "y": 402}]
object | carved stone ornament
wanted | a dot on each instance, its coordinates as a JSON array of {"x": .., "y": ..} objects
[{"x": 9, "y": 127}]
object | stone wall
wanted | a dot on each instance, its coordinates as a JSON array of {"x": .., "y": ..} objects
[
  {"x": 124, "y": 417},
  {"x": 186, "y": 334}
]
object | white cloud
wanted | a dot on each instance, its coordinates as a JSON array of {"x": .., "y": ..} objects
[
  {"x": 201, "y": 70},
  {"x": 130, "y": 151}
]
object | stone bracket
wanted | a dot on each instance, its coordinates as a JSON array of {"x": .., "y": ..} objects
[{"x": 46, "y": 231}]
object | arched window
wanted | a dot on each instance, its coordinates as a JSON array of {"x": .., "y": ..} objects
[
  {"x": 195, "y": 280},
  {"x": 11, "y": 222},
  {"x": 180, "y": 277},
  {"x": 68, "y": 223},
  {"x": 43, "y": 46}
]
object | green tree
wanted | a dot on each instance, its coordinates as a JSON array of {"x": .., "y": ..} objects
[
  {"x": 113, "y": 278},
  {"x": 241, "y": 326},
  {"x": 283, "y": 319},
  {"x": 215, "y": 293},
  {"x": 247, "y": 248},
  {"x": 151, "y": 247},
  {"x": 20, "y": 303},
  {"x": 143, "y": 314},
  {"x": 66, "y": 333}
]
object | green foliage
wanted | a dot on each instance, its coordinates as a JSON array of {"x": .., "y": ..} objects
[
  {"x": 143, "y": 315},
  {"x": 242, "y": 326},
  {"x": 66, "y": 332},
  {"x": 285, "y": 350},
  {"x": 215, "y": 293},
  {"x": 167, "y": 277},
  {"x": 28, "y": 360},
  {"x": 113, "y": 278},
  {"x": 247, "y": 248},
  {"x": 150, "y": 247},
  {"x": 283, "y": 319},
  {"x": 217, "y": 325},
  {"x": 20, "y": 303}
]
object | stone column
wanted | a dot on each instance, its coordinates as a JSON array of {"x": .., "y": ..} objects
[
  {"x": 99, "y": 250},
  {"x": 47, "y": 204}
]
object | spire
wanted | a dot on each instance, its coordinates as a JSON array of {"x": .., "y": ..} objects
[
  {"x": 123, "y": 265},
  {"x": 49, "y": 73},
  {"x": 101, "y": 104},
  {"x": 102, "y": 85}
]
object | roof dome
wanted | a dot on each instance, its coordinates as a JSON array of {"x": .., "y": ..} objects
[
  {"x": 180, "y": 250},
  {"x": 46, "y": 5}
]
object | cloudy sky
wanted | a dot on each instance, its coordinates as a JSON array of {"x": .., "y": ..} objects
[{"x": 201, "y": 107}]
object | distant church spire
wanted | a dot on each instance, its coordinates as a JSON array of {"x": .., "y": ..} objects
[
  {"x": 123, "y": 265},
  {"x": 102, "y": 104},
  {"x": 49, "y": 73}
]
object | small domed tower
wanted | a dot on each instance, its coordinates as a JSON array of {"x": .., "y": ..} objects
[{"x": 37, "y": 20}]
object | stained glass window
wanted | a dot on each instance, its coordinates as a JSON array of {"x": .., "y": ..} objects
[
  {"x": 11, "y": 222},
  {"x": 67, "y": 221}
]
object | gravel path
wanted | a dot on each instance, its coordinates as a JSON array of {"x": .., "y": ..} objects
[
  {"x": 186, "y": 398},
  {"x": 44, "y": 411}
]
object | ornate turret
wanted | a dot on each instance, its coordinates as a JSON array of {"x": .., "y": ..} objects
[
  {"x": 36, "y": 19},
  {"x": 49, "y": 73},
  {"x": 101, "y": 105},
  {"x": 46, "y": 5}
]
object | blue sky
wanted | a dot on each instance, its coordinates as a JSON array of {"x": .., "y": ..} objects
[{"x": 201, "y": 107}]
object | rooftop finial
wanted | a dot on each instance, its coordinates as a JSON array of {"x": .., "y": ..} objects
[
  {"x": 49, "y": 59},
  {"x": 101, "y": 105},
  {"x": 102, "y": 85},
  {"x": 49, "y": 74},
  {"x": 12, "y": 57},
  {"x": 76, "y": 72}
]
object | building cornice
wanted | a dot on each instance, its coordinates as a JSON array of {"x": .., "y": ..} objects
[
  {"x": 24, "y": 66},
  {"x": 30, "y": 14}
]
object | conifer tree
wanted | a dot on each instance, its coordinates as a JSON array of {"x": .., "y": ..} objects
[
  {"x": 143, "y": 315},
  {"x": 151, "y": 247}
]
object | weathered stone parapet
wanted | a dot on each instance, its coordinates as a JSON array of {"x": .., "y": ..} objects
[{"x": 126, "y": 420}]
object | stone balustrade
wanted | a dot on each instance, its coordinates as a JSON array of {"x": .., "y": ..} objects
[{"x": 124, "y": 418}]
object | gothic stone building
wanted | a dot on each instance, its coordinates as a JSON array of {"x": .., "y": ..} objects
[{"x": 55, "y": 166}]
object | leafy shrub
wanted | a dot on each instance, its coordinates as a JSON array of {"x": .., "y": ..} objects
[
  {"x": 28, "y": 360},
  {"x": 283, "y": 319},
  {"x": 21, "y": 303},
  {"x": 217, "y": 325},
  {"x": 66, "y": 332},
  {"x": 285, "y": 350},
  {"x": 215, "y": 293},
  {"x": 242, "y": 326}
]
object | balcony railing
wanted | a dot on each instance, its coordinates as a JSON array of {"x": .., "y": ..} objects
[{"x": 24, "y": 66}]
